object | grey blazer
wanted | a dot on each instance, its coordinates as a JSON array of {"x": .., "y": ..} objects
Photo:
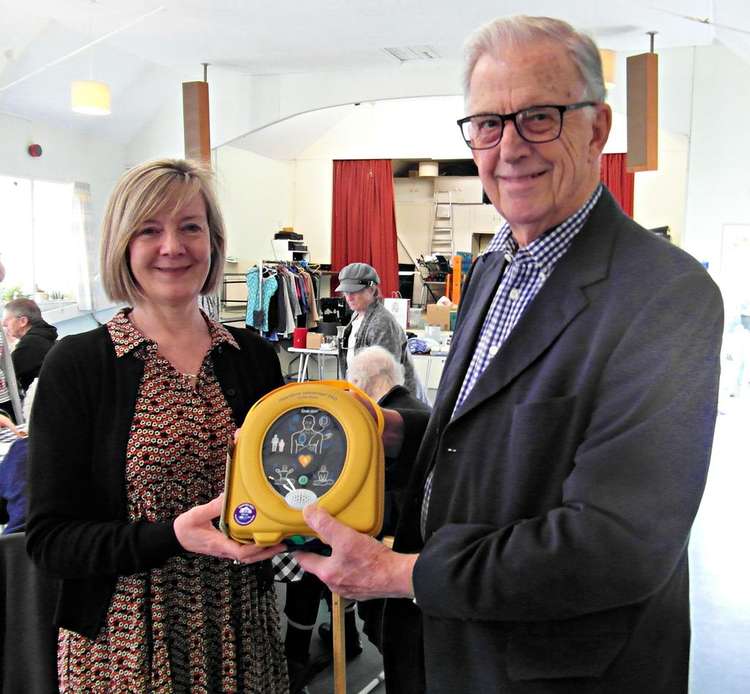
[{"x": 564, "y": 489}]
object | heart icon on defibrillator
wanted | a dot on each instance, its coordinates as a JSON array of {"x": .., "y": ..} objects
[{"x": 305, "y": 443}]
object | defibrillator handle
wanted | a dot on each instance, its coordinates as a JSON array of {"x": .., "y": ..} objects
[{"x": 342, "y": 385}]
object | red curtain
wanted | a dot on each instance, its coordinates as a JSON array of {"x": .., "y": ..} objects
[
  {"x": 620, "y": 183},
  {"x": 364, "y": 219}
]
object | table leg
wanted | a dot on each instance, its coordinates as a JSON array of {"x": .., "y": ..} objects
[{"x": 302, "y": 373}]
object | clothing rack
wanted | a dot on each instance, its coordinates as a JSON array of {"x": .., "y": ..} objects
[
  {"x": 304, "y": 264},
  {"x": 304, "y": 276}
]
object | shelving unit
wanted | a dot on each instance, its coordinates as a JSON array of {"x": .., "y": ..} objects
[
  {"x": 233, "y": 297},
  {"x": 290, "y": 249}
]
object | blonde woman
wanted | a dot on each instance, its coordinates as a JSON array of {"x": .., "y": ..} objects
[{"x": 131, "y": 425}]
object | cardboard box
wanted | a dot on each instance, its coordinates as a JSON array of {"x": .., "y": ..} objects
[
  {"x": 439, "y": 315},
  {"x": 314, "y": 340}
]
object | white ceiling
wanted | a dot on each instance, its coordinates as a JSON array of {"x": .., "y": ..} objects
[{"x": 258, "y": 37}]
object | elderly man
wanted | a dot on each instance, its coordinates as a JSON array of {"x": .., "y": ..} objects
[
  {"x": 23, "y": 322},
  {"x": 545, "y": 535}
]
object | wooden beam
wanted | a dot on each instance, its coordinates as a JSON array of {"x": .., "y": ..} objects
[
  {"x": 643, "y": 112},
  {"x": 196, "y": 121}
]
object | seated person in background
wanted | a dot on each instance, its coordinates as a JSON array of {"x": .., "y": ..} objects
[
  {"x": 6, "y": 405},
  {"x": 13, "y": 472},
  {"x": 376, "y": 372},
  {"x": 13, "y": 483},
  {"x": 23, "y": 322},
  {"x": 8, "y": 423}
]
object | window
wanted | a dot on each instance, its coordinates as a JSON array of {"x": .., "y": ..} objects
[{"x": 37, "y": 237}]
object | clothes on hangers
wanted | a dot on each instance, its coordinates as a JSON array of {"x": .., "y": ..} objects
[
  {"x": 259, "y": 297},
  {"x": 286, "y": 293}
]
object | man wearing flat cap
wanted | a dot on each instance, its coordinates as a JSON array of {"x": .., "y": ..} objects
[{"x": 543, "y": 544}]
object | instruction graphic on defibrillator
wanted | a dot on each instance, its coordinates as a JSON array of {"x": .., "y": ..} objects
[
  {"x": 304, "y": 448},
  {"x": 305, "y": 443}
]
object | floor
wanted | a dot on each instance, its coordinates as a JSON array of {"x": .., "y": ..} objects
[
  {"x": 720, "y": 571},
  {"x": 363, "y": 674},
  {"x": 720, "y": 560}
]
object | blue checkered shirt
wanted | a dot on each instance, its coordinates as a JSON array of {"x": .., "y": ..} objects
[{"x": 525, "y": 272}]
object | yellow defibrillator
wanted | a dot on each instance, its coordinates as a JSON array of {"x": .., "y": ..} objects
[{"x": 305, "y": 443}]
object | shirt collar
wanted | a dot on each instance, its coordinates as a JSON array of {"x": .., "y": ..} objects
[
  {"x": 504, "y": 242},
  {"x": 127, "y": 338}
]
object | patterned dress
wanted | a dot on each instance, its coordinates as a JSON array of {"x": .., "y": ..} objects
[{"x": 197, "y": 624}]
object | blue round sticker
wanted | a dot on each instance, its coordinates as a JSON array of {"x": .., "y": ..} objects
[{"x": 244, "y": 514}]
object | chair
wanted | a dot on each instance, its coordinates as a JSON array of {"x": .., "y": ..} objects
[{"x": 28, "y": 637}]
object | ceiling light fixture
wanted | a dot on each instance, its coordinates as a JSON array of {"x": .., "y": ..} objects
[
  {"x": 643, "y": 109},
  {"x": 90, "y": 98},
  {"x": 609, "y": 61}
]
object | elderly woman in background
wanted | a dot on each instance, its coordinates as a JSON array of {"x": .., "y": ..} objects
[
  {"x": 372, "y": 324},
  {"x": 130, "y": 432},
  {"x": 377, "y": 373}
]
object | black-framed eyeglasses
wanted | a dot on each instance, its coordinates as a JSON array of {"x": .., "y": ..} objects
[{"x": 535, "y": 124}]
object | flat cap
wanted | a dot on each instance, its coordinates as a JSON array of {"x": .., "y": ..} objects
[{"x": 357, "y": 276}]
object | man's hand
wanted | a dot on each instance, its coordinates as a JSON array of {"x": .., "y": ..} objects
[
  {"x": 196, "y": 533},
  {"x": 359, "y": 567}
]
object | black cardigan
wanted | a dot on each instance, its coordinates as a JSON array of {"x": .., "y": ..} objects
[{"x": 77, "y": 526}]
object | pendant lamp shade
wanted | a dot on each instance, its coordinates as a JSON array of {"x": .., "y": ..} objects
[
  {"x": 91, "y": 98},
  {"x": 608, "y": 66}
]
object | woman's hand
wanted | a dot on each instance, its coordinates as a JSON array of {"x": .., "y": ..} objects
[
  {"x": 196, "y": 533},
  {"x": 6, "y": 423}
]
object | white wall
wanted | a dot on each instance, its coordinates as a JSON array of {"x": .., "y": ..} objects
[
  {"x": 255, "y": 194},
  {"x": 313, "y": 209},
  {"x": 241, "y": 103},
  {"x": 677, "y": 194},
  {"x": 425, "y": 128},
  {"x": 718, "y": 189},
  {"x": 230, "y": 108},
  {"x": 660, "y": 196},
  {"x": 66, "y": 157}
]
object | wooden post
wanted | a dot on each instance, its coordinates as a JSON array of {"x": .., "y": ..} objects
[
  {"x": 339, "y": 644},
  {"x": 196, "y": 122},
  {"x": 643, "y": 112}
]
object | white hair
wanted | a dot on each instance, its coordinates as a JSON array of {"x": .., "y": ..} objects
[
  {"x": 373, "y": 368},
  {"x": 503, "y": 32}
]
